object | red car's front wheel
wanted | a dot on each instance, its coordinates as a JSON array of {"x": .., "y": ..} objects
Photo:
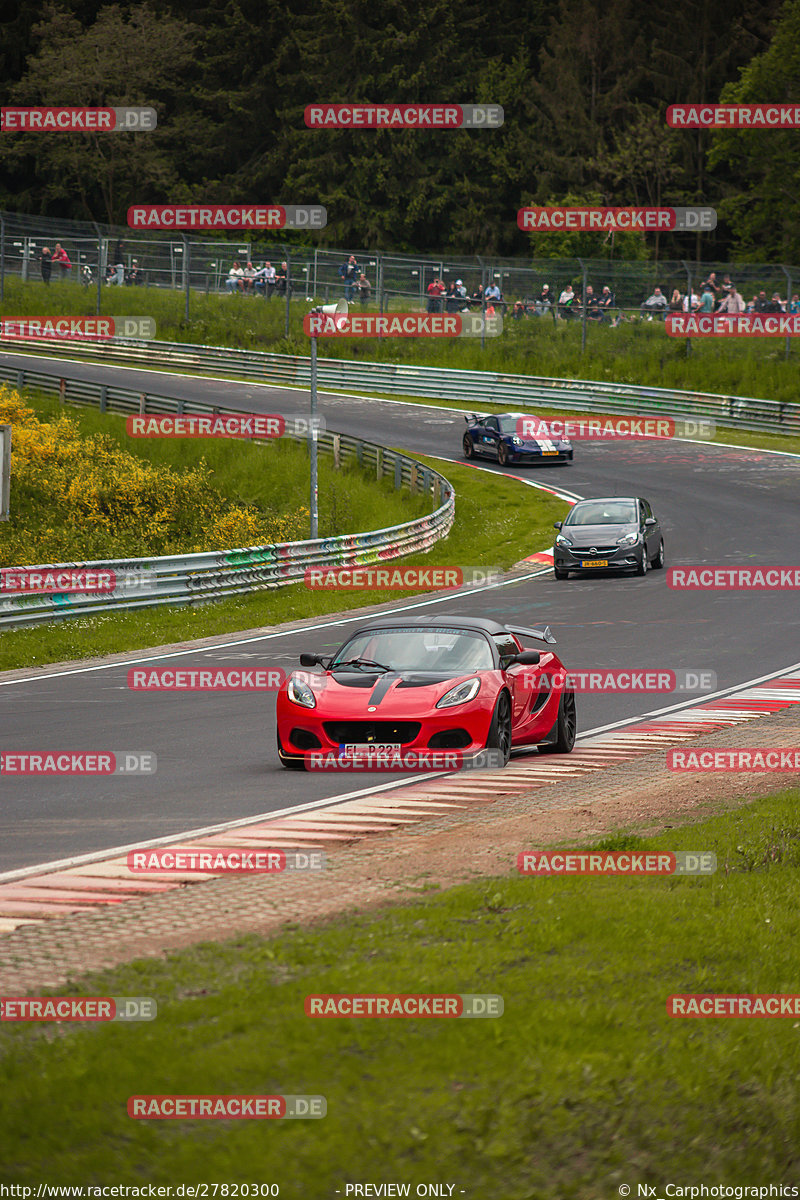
[{"x": 499, "y": 737}]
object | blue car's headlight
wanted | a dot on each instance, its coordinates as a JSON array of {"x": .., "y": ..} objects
[
  {"x": 300, "y": 693},
  {"x": 460, "y": 694},
  {"x": 517, "y": 440}
]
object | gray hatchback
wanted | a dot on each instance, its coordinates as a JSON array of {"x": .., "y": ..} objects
[{"x": 612, "y": 533}]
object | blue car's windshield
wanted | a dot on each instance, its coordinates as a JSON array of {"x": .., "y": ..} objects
[{"x": 411, "y": 648}]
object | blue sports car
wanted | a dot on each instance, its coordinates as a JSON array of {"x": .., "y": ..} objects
[{"x": 507, "y": 438}]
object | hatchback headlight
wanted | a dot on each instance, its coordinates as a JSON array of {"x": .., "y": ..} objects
[
  {"x": 300, "y": 693},
  {"x": 460, "y": 694},
  {"x": 630, "y": 539},
  {"x": 561, "y": 540}
]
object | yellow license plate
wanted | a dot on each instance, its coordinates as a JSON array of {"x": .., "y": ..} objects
[
  {"x": 596, "y": 562},
  {"x": 549, "y": 452}
]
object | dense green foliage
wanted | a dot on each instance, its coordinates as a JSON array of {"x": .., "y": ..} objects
[{"x": 584, "y": 87}]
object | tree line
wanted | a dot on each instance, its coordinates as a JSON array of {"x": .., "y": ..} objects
[{"x": 584, "y": 86}]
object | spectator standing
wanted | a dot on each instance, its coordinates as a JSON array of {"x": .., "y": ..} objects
[
  {"x": 775, "y": 305},
  {"x": 451, "y": 298},
  {"x": 61, "y": 257},
  {"x": 711, "y": 284},
  {"x": 282, "y": 279},
  {"x": 794, "y": 303},
  {"x": 751, "y": 304},
  {"x": 349, "y": 273},
  {"x": 761, "y": 302},
  {"x": 435, "y": 290},
  {"x": 707, "y": 299},
  {"x": 691, "y": 302},
  {"x": 46, "y": 263},
  {"x": 733, "y": 302},
  {"x": 235, "y": 276},
  {"x": 364, "y": 290},
  {"x": 270, "y": 279}
]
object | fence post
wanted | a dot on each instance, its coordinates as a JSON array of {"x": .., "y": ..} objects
[
  {"x": 288, "y": 291},
  {"x": 186, "y": 264},
  {"x": 98, "y": 301},
  {"x": 687, "y": 268},
  {"x": 583, "y": 304},
  {"x": 337, "y": 447},
  {"x": 2, "y": 257},
  {"x": 483, "y": 301},
  {"x": 788, "y": 305}
]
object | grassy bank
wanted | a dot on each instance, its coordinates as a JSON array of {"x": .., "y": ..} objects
[
  {"x": 498, "y": 521},
  {"x": 583, "y": 1086},
  {"x": 638, "y": 354}
]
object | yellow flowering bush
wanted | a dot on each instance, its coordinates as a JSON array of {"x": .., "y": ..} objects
[{"x": 76, "y": 497}]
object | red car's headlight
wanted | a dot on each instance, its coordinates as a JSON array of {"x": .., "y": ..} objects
[
  {"x": 300, "y": 693},
  {"x": 460, "y": 694}
]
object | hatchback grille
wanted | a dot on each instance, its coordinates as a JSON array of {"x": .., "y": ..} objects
[{"x": 594, "y": 551}]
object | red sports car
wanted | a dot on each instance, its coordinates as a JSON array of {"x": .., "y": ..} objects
[{"x": 429, "y": 683}]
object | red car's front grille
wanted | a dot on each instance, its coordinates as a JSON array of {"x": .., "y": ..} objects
[{"x": 363, "y": 732}]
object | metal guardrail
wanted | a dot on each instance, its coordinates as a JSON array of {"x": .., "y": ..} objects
[
  {"x": 189, "y": 578},
  {"x": 467, "y": 388}
]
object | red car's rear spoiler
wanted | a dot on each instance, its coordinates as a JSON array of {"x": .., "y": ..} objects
[{"x": 544, "y": 634}]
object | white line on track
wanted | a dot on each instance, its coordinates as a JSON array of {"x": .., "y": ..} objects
[{"x": 331, "y": 802}]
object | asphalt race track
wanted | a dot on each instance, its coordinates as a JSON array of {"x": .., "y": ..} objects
[{"x": 216, "y": 753}]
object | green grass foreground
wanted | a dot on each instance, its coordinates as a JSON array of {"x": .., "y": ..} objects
[
  {"x": 583, "y": 1085},
  {"x": 498, "y": 521},
  {"x": 636, "y": 354}
]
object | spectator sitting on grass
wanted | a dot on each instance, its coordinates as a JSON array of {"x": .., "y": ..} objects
[
  {"x": 235, "y": 276},
  {"x": 606, "y": 301},
  {"x": 593, "y": 312},
  {"x": 248, "y": 275},
  {"x": 476, "y": 299},
  {"x": 565, "y": 301},
  {"x": 518, "y": 311},
  {"x": 655, "y": 303}
]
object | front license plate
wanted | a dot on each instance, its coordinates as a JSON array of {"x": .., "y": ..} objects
[
  {"x": 370, "y": 748},
  {"x": 596, "y": 562},
  {"x": 544, "y": 452}
]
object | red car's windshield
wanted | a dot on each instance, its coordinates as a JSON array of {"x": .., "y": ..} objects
[{"x": 432, "y": 649}]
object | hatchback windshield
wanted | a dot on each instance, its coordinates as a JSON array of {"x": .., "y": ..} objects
[
  {"x": 406, "y": 648},
  {"x": 603, "y": 512}
]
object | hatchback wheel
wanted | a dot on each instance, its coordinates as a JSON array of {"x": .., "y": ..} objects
[
  {"x": 644, "y": 562},
  {"x": 658, "y": 561}
]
